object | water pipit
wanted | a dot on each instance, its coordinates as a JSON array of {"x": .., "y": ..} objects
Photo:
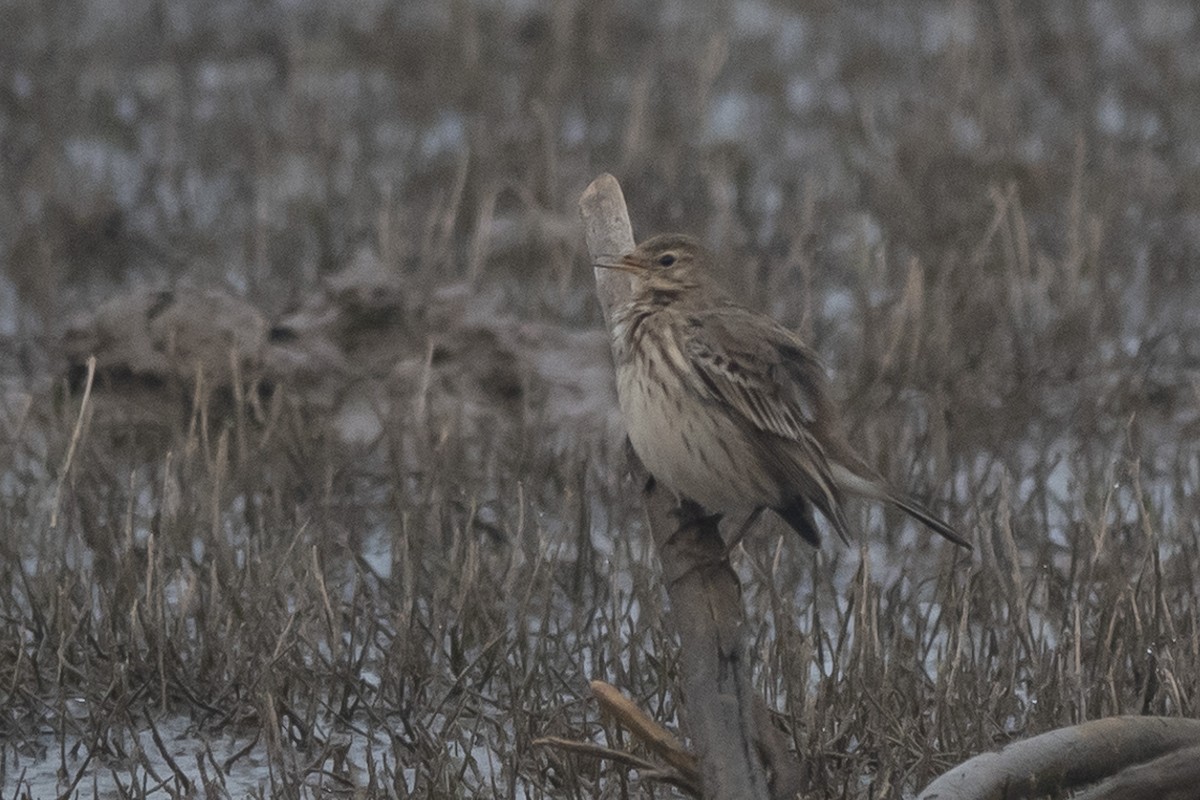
[{"x": 727, "y": 407}]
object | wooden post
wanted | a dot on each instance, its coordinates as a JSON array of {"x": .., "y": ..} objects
[{"x": 726, "y": 723}]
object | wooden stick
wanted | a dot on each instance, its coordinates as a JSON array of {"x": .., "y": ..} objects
[
  {"x": 646, "y": 770},
  {"x": 705, "y": 598},
  {"x": 653, "y": 735}
]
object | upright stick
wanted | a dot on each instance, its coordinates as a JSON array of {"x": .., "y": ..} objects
[{"x": 723, "y": 719}]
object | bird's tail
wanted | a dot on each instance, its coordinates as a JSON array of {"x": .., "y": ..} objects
[
  {"x": 922, "y": 514},
  {"x": 865, "y": 487}
]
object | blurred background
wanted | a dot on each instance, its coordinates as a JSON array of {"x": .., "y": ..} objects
[
  {"x": 261, "y": 145},
  {"x": 981, "y": 156}
]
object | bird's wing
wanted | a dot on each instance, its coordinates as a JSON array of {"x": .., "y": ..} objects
[
  {"x": 766, "y": 376},
  {"x": 777, "y": 385},
  {"x": 760, "y": 369}
]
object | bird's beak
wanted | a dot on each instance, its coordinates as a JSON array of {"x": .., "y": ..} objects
[{"x": 626, "y": 263}]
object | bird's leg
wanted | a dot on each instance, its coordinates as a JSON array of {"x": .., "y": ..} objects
[
  {"x": 742, "y": 530},
  {"x": 695, "y": 544},
  {"x": 690, "y": 513}
]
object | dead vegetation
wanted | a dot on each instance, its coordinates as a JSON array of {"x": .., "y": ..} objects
[{"x": 982, "y": 214}]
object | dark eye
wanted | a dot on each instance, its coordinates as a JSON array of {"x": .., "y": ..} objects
[{"x": 666, "y": 260}]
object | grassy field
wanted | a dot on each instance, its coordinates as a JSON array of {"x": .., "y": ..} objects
[{"x": 384, "y": 540}]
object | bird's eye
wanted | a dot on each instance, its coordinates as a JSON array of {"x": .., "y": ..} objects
[{"x": 666, "y": 260}]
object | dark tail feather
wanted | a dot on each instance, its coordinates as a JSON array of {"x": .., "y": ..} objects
[
  {"x": 855, "y": 482},
  {"x": 799, "y": 514},
  {"x": 923, "y": 515}
]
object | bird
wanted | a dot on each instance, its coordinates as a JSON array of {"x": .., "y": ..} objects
[{"x": 729, "y": 408}]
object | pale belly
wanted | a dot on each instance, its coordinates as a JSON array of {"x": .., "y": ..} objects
[{"x": 702, "y": 456}]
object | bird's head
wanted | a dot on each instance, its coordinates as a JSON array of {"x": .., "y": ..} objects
[{"x": 669, "y": 262}]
